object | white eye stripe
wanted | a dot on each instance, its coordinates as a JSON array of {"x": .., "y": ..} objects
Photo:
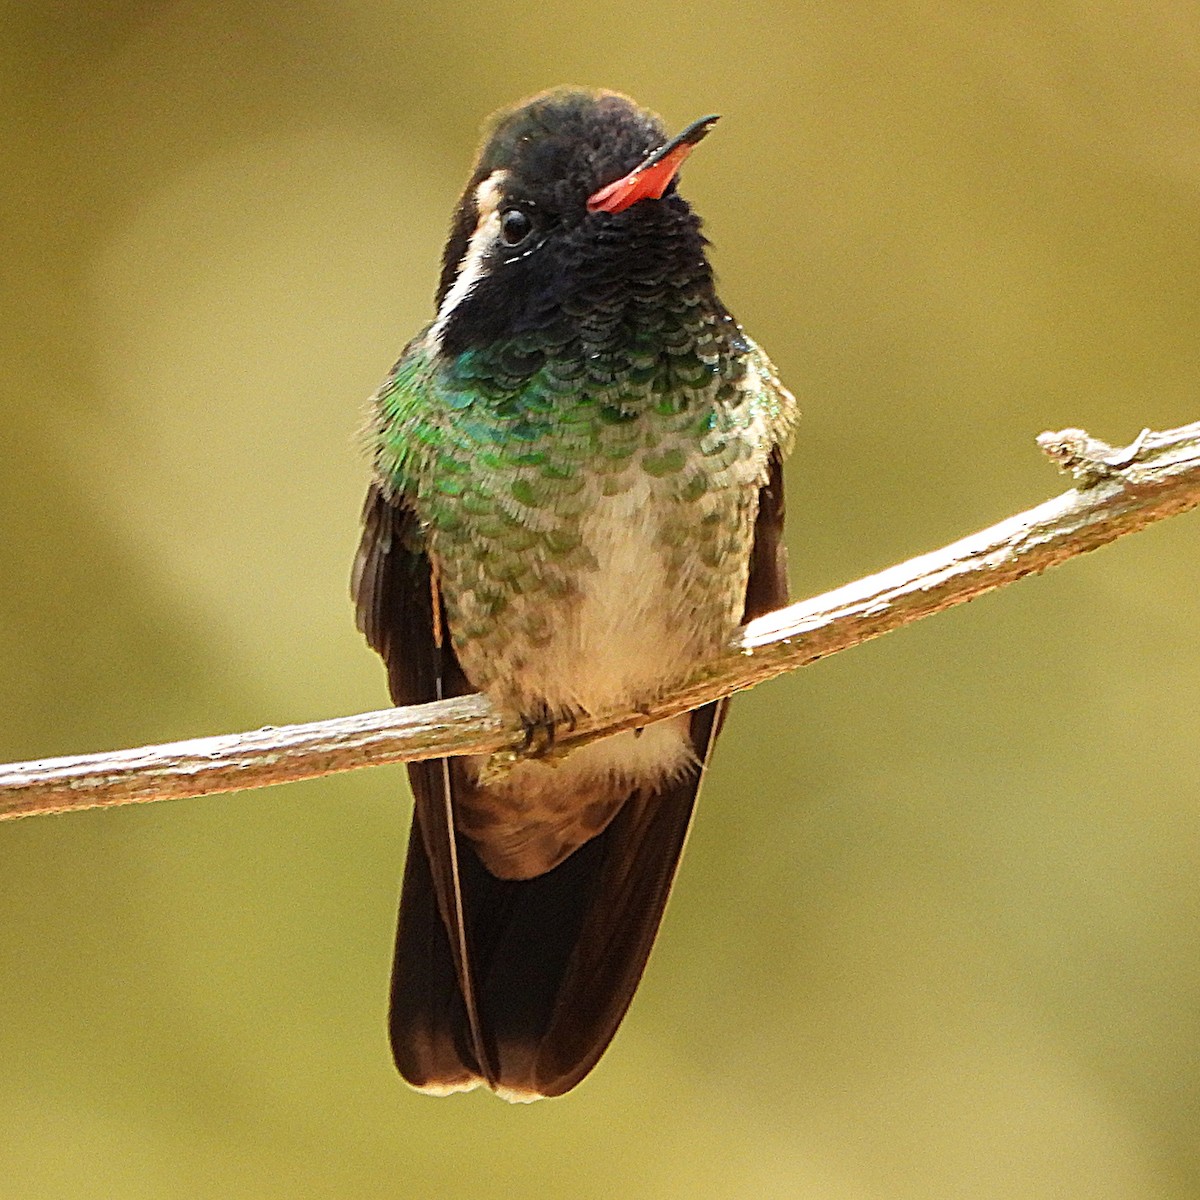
[{"x": 487, "y": 203}]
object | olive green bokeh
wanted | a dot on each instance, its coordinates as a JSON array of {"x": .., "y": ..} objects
[{"x": 936, "y": 930}]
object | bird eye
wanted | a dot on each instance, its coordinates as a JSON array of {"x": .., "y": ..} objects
[{"x": 515, "y": 226}]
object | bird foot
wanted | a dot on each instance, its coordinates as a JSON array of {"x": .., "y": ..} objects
[
  {"x": 541, "y": 731},
  {"x": 539, "y": 737},
  {"x": 538, "y": 745}
]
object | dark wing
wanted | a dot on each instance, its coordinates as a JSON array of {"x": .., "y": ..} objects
[
  {"x": 395, "y": 595},
  {"x": 767, "y": 587}
]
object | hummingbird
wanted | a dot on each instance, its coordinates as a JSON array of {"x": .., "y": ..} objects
[{"x": 577, "y": 497}]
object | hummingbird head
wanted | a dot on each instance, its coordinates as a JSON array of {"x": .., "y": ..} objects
[{"x": 572, "y": 204}]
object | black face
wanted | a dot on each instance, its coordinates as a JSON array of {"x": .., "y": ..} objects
[{"x": 522, "y": 234}]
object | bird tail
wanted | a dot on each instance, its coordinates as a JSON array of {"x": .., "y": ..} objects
[{"x": 520, "y": 985}]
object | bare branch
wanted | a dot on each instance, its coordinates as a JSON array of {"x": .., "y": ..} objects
[{"x": 1119, "y": 492}]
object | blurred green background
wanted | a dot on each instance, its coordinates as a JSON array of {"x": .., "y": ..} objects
[{"x": 935, "y": 935}]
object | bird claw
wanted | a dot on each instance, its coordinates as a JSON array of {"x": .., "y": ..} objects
[
  {"x": 541, "y": 732},
  {"x": 539, "y": 738}
]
